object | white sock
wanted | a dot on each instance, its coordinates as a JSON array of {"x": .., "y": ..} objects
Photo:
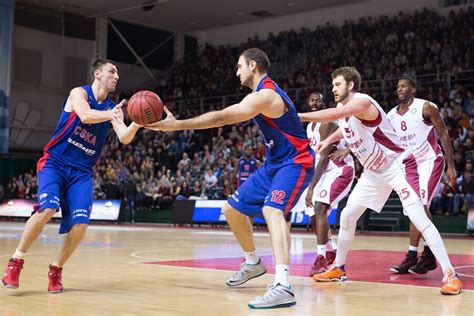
[
  {"x": 342, "y": 251},
  {"x": 441, "y": 255},
  {"x": 322, "y": 250},
  {"x": 18, "y": 254},
  {"x": 251, "y": 257},
  {"x": 331, "y": 245},
  {"x": 282, "y": 272},
  {"x": 412, "y": 248}
]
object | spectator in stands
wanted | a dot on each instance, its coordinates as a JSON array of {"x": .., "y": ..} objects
[
  {"x": 130, "y": 196},
  {"x": 465, "y": 195},
  {"x": 185, "y": 191},
  {"x": 437, "y": 201}
]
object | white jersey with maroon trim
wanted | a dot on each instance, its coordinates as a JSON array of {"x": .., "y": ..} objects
[
  {"x": 374, "y": 143},
  {"x": 315, "y": 137},
  {"x": 417, "y": 135}
]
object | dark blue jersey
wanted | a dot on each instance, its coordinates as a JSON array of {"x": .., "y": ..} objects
[
  {"x": 246, "y": 168},
  {"x": 285, "y": 137},
  {"x": 74, "y": 143}
]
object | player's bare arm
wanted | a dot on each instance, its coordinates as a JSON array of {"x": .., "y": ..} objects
[
  {"x": 233, "y": 176},
  {"x": 340, "y": 154},
  {"x": 264, "y": 101},
  {"x": 77, "y": 102},
  {"x": 125, "y": 133},
  {"x": 325, "y": 130},
  {"x": 334, "y": 137},
  {"x": 431, "y": 113},
  {"x": 361, "y": 108}
]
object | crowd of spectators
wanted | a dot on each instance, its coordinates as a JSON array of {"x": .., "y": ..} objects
[
  {"x": 158, "y": 168},
  {"x": 383, "y": 49}
]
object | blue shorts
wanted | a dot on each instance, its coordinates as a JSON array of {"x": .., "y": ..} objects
[
  {"x": 69, "y": 189},
  {"x": 276, "y": 185}
]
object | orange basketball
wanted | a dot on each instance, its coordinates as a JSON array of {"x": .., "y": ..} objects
[{"x": 145, "y": 108}]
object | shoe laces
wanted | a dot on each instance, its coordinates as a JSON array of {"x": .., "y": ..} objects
[
  {"x": 14, "y": 268},
  {"x": 407, "y": 260},
  {"x": 319, "y": 262},
  {"x": 55, "y": 274},
  {"x": 272, "y": 292},
  {"x": 449, "y": 276}
]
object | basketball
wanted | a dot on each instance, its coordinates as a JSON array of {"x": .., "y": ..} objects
[{"x": 145, "y": 108}]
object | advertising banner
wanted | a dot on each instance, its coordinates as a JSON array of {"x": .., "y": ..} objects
[{"x": 104, "y": 210}]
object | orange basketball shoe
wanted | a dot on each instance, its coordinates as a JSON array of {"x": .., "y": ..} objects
[
  {"x": 334, "y": 273},
  {"x": 452, "y": 285},
  {"x": 54, "y": 277},
  {"x": 11, "y": 278}
]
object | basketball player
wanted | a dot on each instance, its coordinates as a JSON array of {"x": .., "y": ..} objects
[
  {"x": 276, "y": 186},
  {"x": 331, "y": 182},
  {"x": 65, "y": 170},
  {"x": 244, "y": 167},
  {"x": 418, "y": 124},
  {"x": 387, "y": 166}
]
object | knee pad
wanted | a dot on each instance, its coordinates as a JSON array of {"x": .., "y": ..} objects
[
  {"x": 349, "y": 216},
  {"x": 417, "y": 215},
  {"x": 431, "y": 234}
]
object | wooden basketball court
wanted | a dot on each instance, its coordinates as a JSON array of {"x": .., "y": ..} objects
[{"x": 147, "y": 270}]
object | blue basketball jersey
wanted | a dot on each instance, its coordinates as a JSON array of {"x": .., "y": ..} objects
[
  {"x": 284, "y": 137},
  {"x": 246, "y": 168},
  {"x": 74, "y": 143}
]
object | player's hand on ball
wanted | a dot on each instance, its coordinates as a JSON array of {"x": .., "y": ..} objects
[
  {"x": 170, "y": 123},
  {"x": 117, "y": 113}
]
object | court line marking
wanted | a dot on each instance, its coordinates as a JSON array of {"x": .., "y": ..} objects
[
  {"x": 304, "y": 278},
  {"x": 462, "y": 274}
]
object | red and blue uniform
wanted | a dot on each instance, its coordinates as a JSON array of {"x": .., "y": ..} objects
[
  {"x": 246, "y": 168},
  {"x": 288, "y": 169},
  {"x": 65, "y": 177}
]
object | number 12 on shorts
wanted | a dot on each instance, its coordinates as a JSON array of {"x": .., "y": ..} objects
[{"x": 278, "y": 196}]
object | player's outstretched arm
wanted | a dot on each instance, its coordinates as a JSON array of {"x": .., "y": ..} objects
[
  {"x": 125, "y": 133},
  {"x": 252, "y": 105},
  {"x": 334, "y": 137},
  {"x": 355, "y": 107},
  {"x": 340, "y": 154},
  {"x": 430, "y": 111},
  {"x": 78, "y": 101},
  {"x": 326, "y": 130}
]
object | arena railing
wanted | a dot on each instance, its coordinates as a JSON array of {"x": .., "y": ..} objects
[{"x": 444, "y": 80}]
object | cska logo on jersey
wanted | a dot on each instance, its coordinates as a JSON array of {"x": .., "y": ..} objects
[
  {"x": 246, "y": 167},
  {"x": 85, "y": 135}
]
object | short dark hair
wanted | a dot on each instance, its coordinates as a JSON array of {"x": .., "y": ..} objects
[
  {"x": 259, "y": 56},
  {"x": 349, "y": 74},
  {"x": 410, "y": 80},
  {"x": 98, "y": 63}
]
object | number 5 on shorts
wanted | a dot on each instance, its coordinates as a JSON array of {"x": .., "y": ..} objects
[{"x": 404, "y": 193}]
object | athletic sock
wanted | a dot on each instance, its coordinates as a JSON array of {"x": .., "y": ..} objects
[
  {"x": 412, "y": 248},
  {"x": 251, "y": 257},
  {"x": 322, "y": 250},
  {"x": 18, "y": 254},
  {"x": 282, "y": 272}
]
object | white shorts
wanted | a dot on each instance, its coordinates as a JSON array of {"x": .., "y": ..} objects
[
  {"x": 373, "y": 188},
  {"x": 332, "y": 187},
  {"x": 430, "y": 171}
]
